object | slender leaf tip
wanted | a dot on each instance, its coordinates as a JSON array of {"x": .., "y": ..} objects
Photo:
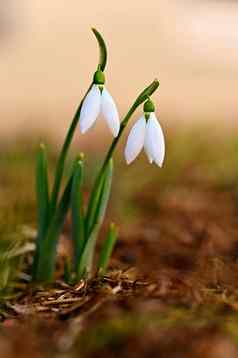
[
  {"x": 113, "y": 227},
  {"x": 81, "y": 156},
  {"x": 79, "y": 159}
]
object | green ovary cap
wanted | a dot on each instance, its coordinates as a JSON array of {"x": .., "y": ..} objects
[
  {"x": 149, "y": 106},
  {"x": 99, "y": 78}
]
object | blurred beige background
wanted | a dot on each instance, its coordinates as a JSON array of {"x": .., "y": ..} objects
[{"x": 48, "y": 55}]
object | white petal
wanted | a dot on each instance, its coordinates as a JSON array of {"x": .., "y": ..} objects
[
  {"x": 110, "y": 112},
  {"x": 154, "y": 139},
  {"x": 135, "y": 140},
  {"x": 147, "y": 150},
  {"x": 90, "y": 109},
  {"x": 147, "y": 146}
]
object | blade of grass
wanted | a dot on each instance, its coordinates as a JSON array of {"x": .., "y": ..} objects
[
  {"x": 94, "y": 204},
  {"x": 47, "y": 259},
  {"x": 11, "y": 255},
  {"x": 77, "y": 212},
  {"x": 107, "y": 249},
  {"x": 68, "y": 271},
  {"x": 86, "y": 261},
  {"x": 42, "y": 200},
  {"x": 42, "y": 191},
  {"x": 92, "y": 207}
]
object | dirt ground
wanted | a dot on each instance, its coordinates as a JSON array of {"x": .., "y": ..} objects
[{"x": 172, "y": 286}]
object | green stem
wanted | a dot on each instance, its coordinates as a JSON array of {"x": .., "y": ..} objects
[
  {"x": 61, "y": 161},
  {"x": 148, "y": 91}
]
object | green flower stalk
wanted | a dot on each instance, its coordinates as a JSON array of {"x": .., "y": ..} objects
[{"x": 86, "y": 220}]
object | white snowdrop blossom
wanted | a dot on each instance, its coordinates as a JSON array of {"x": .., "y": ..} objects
[
  {"x": 99, "y": 100},
  {"x": 146, "y": 133}
]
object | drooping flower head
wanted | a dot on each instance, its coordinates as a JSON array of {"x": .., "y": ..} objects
[
  {"x": 98, "y": 100},
  {"x": 146, "y": 133}
]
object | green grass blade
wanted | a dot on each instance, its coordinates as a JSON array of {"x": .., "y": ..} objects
[
  {"x": 77, "y": 212},
  {"x": 95, "y": 196},
  {"x": 11, "y": 255},
  {"x": 86, "y": 261},
  {"x": 92, "y": 205},
  {"x": 68, "y": 271},
  {"x": 42, "y": 200},
  {"x": 104, "y": 196},
  {"x": 85, "y": 264},
  {"x": 42, "y": 191},
  {"x": 47, "y": 259},
  {"x": 107, "y": 249}
]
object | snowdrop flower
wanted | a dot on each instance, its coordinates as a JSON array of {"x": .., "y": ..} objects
[
  {"x": 99, "y": 100},
  {"x": 146, "y": 133}
]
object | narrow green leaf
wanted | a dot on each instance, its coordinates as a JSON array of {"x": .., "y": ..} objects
[
  {"x": 47, "y": 259},
  {"x": 68, "y": 271},
  {"x": 77, "y": 213},
  {"x": 42, "y": 200},
  {"x": 93, "y": 205},
  {"x": 107, "y": 249},
  {"x": 42, "y": 191},
  {"x": 85, "y": 264},
  {"x": 12, "y": 252},
  {"x": 104, "y": 196},
  {"x": 86, "y": 261}
]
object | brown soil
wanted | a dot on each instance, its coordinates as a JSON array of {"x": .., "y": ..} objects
[{"x": 171, "y": 291}]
